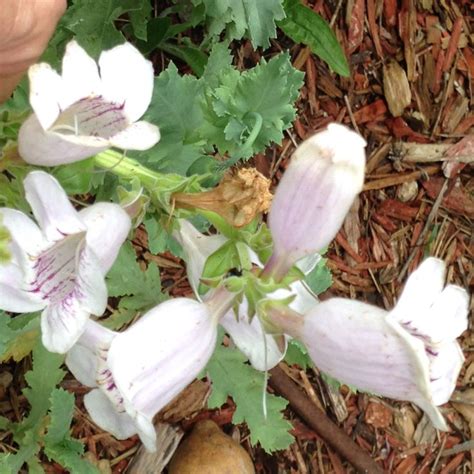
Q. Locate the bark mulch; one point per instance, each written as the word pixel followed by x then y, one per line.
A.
pixel 410 95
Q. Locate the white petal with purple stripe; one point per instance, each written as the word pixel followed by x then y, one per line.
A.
pixel 80 113
pixel 55 267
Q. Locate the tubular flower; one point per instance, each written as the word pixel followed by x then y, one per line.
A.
pixel 262 349
pixel 409 353
pixel 81 113
pixel 137 372
pixel 59 267
pixel 314 195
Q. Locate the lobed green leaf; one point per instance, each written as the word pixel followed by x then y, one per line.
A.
pixel 231 376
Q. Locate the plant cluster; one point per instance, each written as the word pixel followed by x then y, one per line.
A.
pixel 256 282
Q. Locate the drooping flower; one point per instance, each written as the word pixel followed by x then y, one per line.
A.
pixel 81 113
pixel 59 267
pixel 409 353
pixel 139 371
pixel 262 349
pixel 314 195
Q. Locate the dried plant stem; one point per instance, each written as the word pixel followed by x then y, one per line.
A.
pixel 321 424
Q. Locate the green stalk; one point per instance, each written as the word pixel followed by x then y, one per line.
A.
pixel 120 165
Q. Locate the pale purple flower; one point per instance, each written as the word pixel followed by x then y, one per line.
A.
pixel 59 267
pixel 314 195
pixel 81 113
pixel 408 353
pixel 137 372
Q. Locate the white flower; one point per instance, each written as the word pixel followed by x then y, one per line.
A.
pixel 314 195
pixel 59 267
pixel 79 114
pixel 409 353
pixel 263 350
pixel 142 369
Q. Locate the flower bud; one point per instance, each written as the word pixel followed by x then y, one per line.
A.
pixel 314 195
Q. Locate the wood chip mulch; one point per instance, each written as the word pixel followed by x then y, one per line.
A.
pixel 410 95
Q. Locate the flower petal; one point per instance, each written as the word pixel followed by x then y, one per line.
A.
pixel 146 431
pixel 51 207
pixel 308 264
pixel 12 297
pixel 65 318
pixel 426 310
pixel 197 248
pixel 448 315
pixel 23 230
pixel 82 359
pixel 444 371
pixel 103 413
pixel 107 228
pixel 261 349
pixel 158 356
pixel 46 93
pixel 80 74
pixel 91 289
pixel 304 300
pixel 82 363
pixel 137 136
pixel 62 324
pixel 127 78
pixel 421 289
pixel 38 147
pixel 352 342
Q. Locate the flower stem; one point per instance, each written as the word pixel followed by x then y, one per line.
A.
pixel 255 130
pixel 276 267
pixel 288 321
pixel 220 301
pixel 120 165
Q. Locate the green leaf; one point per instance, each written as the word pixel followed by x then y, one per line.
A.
pixel 191 55
pixel 140 18
pixel 18 335
pixel 231 375
pixel 34 466
pixel 298 354
pixel 252 109
pixel 303 25
pixel 243 18
pixel 220 59
pixel 159 237
pixel 76 178
pixel 12 463
pixel 139 289
pixel 58 444
pixel 62 409
pixel 68 454
pixel 93 22
pixel 42 380
pixel 320 278
pixel 221 261
pixel 176 110
pixel 119 318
